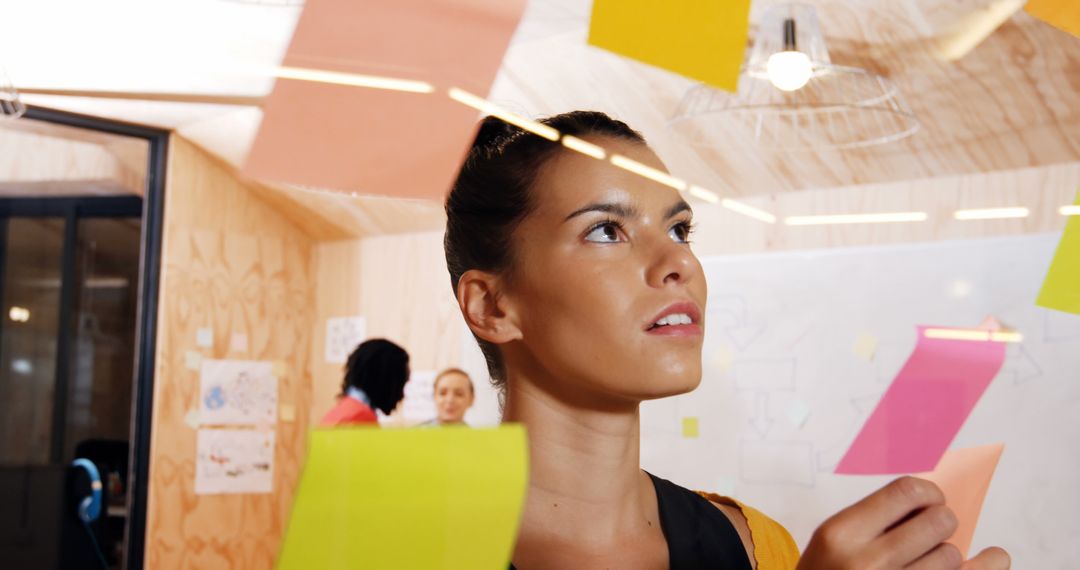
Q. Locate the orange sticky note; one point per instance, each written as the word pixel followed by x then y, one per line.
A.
pixel 964 476
pixel 361 102
pixel 701 39
pixel 1062 14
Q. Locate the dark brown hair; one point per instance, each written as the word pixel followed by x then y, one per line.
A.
pixel 491 196
pixel 380 368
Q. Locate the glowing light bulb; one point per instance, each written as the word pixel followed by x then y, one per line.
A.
pixel 19 314
pixel 789 70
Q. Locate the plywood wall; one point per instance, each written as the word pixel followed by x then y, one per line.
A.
pixel 338 294
pixel 401 286
pixel 235 265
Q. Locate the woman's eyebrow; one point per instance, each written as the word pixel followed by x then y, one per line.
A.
pixel 621 210
pixel 678 208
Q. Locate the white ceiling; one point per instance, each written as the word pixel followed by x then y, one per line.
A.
pixel 1010 104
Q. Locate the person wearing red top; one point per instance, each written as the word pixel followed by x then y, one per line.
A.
pixel 375 378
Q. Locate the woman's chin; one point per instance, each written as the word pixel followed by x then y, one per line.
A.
pixel 671 385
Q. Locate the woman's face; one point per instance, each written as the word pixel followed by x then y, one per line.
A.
pixel 453 397
pixel 607 294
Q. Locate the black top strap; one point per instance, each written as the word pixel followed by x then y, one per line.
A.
pixel 698 534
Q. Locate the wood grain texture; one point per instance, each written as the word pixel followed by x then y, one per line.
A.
pixel 338 294
pixel 407 297
pixel 1012 102
pixel 236 265
pixel 33 152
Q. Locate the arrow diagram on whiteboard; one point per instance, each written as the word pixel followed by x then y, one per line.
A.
pixel 760 420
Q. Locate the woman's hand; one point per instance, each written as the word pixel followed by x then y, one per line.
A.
pixel 902 525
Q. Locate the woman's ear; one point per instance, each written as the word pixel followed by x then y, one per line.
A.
pixel 485 307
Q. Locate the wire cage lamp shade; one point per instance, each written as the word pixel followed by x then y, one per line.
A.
pixel 11 107
pixel 792 97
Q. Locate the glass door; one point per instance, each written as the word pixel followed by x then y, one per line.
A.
pixel 69 282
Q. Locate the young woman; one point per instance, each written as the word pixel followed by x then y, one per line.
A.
pixel 375 378
pixel 578 281
pixel 454 395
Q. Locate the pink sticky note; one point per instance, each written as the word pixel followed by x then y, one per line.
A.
pixel 925 406
pixel 336 135
pixel 964 476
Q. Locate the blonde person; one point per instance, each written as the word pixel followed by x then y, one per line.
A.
pixel 578 280
pixel 454 395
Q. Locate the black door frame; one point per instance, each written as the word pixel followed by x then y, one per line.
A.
pixel 153 210
pixel 71 210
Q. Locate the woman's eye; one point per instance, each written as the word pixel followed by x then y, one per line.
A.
pixel 604 233
pixel 680 232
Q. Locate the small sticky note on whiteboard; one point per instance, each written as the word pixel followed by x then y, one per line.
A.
pixel 193 360
pixel 722 359
pixel 797 413
pixel 204 337
pixel 690 427
pixel 866 346
pixel 278 369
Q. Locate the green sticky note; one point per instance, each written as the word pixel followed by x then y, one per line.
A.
pixel 701 39
pixel 1061 289
pixel 426 498
pixel 690 427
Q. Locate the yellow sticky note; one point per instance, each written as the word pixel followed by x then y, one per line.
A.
pixel 701 39
pixel 866 346
pixel 1061 289
pixel 287 413
pixel 278 368
pixel 690 427
pixel 1062 14
pixel 722 359
pixel 433 498
pixel 964 477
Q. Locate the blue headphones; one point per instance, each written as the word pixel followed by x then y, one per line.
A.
pixel 90 507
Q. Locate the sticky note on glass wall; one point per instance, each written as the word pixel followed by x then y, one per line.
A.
pixel 361 101
pixel 1062 14
pixel 701 39
pixel 1061 288
pixel 435 498
pixel 964 477
pixel 925 406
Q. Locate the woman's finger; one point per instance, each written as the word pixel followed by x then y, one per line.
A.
pixel 944 557
pixel 872 516
pixel 916 537
pixel 992 558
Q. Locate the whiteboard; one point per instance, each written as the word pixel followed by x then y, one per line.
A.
pixel 784 392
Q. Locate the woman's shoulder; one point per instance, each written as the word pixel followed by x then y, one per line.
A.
pixel 767 542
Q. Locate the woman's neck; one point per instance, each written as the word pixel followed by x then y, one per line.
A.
pixel 585 479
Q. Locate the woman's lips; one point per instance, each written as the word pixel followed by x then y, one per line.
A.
pixel 676 330
pixel 678 319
